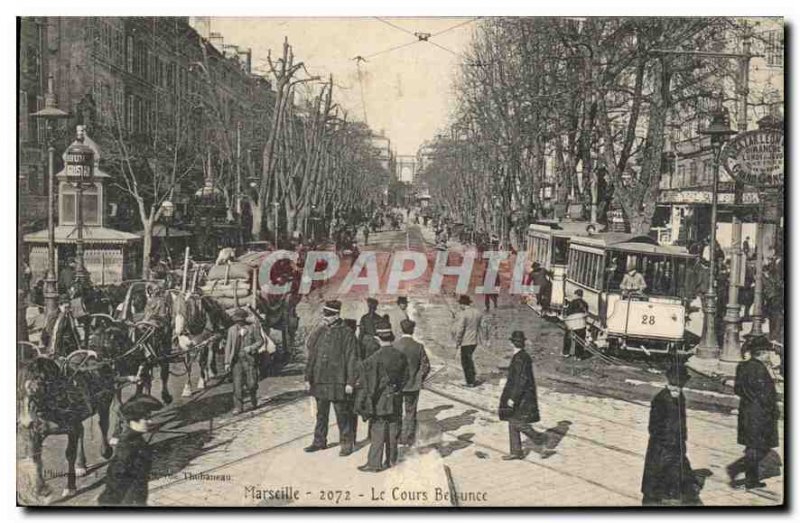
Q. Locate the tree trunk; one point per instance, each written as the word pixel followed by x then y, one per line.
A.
pixel 258 214
pixel 147 247
pixel 639 223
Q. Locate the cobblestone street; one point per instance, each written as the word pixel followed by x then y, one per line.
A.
pixel 589 450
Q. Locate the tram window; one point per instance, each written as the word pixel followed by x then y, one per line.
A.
pixel 559 256
pixel 598 272
pixel 615 271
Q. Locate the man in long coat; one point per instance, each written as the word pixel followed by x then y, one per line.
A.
pixel 330 377
pixel 758 410
pixel 366 326
pixel 418 368
pixel 518 402
pixel 129 469
pixel 241 359
pixel 383 377
pixel 667 472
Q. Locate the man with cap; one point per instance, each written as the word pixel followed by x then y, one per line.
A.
pixel 668 476
pixel 330 377
pixel 518 402
pixel 383 376
pixel 418 368
pixel 129 469
pixel 241 359
pixel 466 331
pixel 758 410
pixel 575 337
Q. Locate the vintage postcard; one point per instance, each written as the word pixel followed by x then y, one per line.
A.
pixel 400 262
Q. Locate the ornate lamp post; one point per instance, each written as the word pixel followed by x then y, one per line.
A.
pixel 50 114
pixel 80 172
pixel 718 130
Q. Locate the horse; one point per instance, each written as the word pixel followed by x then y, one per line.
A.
pixel 200 326
pixel 56 399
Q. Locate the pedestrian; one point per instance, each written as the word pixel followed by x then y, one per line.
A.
pixel 66 277
pixel 129 469
pixel 384 375
pixel 365 230
pixel 746 248
pixel 490 296
pixel 241 359
pixel 466 332
pixel 758 411
pixel 402 304
pixel 668 476
pixel 575 322
pixel 519 405
pixel 330 377
pixel 418 368
pixel 366 325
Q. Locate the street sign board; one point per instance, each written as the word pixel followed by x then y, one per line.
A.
pixel 755 158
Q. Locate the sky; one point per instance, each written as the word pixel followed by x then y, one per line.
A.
pixel 407 92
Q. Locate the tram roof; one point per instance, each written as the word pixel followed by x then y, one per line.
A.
pixel 616 241
pixel 556 228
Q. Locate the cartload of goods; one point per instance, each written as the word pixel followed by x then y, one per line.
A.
pixel 232 284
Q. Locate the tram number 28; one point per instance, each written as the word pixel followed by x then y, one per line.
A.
pixel 648 319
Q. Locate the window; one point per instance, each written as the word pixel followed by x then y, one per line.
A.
pixel 559 255
pixel 693 173
pixel 129 54
pixel 682 176
pixel 774 48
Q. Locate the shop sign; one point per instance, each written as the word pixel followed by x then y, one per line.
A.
pixel 755 158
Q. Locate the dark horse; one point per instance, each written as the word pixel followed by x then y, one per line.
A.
pixel 55 399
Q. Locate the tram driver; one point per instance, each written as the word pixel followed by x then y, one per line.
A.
pixel 633 282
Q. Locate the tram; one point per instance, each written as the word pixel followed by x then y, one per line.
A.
pixel 654 321
pixel 548 245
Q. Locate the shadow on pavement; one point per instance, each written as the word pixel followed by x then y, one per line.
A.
pixel 544 443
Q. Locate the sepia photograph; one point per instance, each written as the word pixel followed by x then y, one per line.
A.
pixel 408 262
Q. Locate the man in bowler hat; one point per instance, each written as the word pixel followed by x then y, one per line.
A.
pixel 758 410
pixel 418 368
pixel 383 376
pixel 129 469
pixel 518 402
pixel 330 377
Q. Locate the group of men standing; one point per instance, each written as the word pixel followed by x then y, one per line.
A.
pixel 369 374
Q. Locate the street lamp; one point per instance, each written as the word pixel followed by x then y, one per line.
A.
pixel 718 130
pixel 167 213
pixel 80 172
pixel 50 114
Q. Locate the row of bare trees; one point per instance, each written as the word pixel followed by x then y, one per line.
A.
pixel 582 106
pixel 311 156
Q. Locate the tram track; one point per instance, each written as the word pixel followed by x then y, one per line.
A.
pixel 585 439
